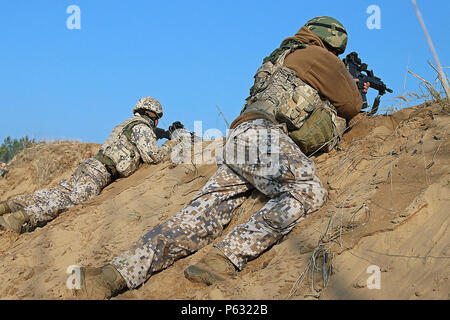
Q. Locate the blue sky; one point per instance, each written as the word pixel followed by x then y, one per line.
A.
pixel 57 83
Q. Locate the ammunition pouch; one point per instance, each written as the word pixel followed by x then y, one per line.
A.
pixel 322 130
pixel 108 163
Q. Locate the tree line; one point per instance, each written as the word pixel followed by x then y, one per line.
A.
pixel 11 147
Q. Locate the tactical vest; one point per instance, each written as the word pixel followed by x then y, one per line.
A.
pixel 281 97
pixel 119 151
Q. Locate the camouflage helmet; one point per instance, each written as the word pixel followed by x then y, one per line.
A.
pixel 149 104
pixel 330 31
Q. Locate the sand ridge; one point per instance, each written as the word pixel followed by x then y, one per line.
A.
pixel 388 207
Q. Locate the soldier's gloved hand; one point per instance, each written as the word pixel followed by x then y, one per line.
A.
pixel 176 125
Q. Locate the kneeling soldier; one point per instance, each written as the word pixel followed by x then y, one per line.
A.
pixel 302 84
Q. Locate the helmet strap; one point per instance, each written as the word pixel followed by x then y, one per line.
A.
pixel 333 27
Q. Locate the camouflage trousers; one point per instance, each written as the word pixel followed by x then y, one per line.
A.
pixel 44 205
pixel 281 172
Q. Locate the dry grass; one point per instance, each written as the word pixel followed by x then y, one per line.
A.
pixel 440 71
pixel 48 161
pixel 428 91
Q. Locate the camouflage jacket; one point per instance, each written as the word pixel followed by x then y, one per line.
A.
pixel 278 95
pixel 131 143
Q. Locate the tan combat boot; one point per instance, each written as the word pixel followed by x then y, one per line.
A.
pixel 214 267
pixel 100 283
pixel 14 221
pixel 9 206
pixel 4 208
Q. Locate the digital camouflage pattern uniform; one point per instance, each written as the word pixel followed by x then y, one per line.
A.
pixel 258 154
pixel 44 205
pixel 135 135
pixel 292 185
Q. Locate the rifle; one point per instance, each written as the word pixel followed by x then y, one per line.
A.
pixel 356 69
pixel 167 134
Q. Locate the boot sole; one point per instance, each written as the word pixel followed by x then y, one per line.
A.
pixel 3 210
pixel 195 274
pixel 6 226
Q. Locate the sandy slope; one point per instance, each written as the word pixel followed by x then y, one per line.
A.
pixel 388 206
pixel 43 165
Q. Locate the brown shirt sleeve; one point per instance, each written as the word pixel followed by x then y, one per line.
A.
pixel 326 73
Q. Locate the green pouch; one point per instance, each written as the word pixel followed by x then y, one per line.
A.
pixel 104 159
pixel 289 44
pixel 317 130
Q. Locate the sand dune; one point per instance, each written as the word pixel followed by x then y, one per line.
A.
pixel 388 207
